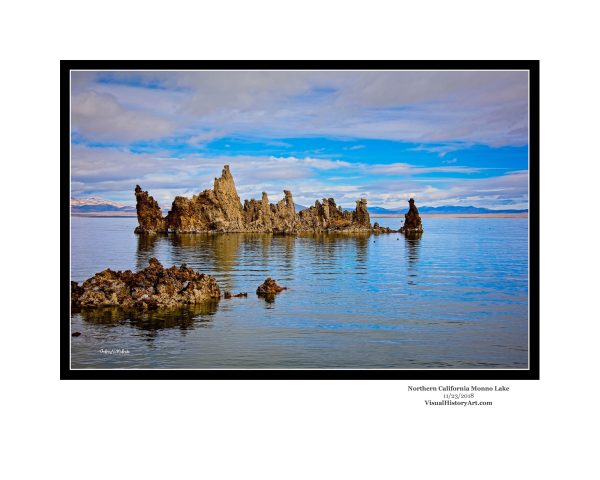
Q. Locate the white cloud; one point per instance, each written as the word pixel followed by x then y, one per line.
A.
pixel 203 138
pixel 509 190
pixel 408 169
pixel 99 116
pixel 479 107
pixel 113 173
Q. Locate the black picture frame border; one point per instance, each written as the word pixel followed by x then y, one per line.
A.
pixel 532 373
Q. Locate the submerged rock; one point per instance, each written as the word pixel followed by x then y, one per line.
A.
pixel 152 287
pixel 229 295
pixel 412 220
pixel 269 287
pixel 377 229
pixel 220 210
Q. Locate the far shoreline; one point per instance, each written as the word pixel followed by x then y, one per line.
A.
pixel 379 215
pixel 455 215
pixel 104 215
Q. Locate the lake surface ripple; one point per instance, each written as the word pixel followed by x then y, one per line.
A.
pixel 455 298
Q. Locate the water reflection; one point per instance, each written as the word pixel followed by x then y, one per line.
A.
pixel 468 299
pixel 268 299
pixel 412 242
pixel 330 251
pixel 146 249
pixel 223 253
pixel 288 244
pixel 184 318
pixel 215 252
pixel 362 246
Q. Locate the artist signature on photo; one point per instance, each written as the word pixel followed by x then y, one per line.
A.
pixel 114 351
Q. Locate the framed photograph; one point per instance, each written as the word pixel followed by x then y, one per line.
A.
pixel 300 219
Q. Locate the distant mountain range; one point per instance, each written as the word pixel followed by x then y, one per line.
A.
pixel 96 205
pixel 449 209
pixel 99 206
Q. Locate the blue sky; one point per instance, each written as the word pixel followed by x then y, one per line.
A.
pixel 444 138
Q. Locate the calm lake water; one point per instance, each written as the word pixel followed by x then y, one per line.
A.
pixel 456 298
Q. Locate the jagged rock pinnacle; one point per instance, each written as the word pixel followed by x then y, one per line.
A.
pixel 412 220
pixel 220 210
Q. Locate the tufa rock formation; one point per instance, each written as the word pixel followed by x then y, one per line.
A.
pixel 412 220
pixel 377 229
pixel 269 287
pixel 220 210
pixel 227 294
pixel 152 287
pixel 149 216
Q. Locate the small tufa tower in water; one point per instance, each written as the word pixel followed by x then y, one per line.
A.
pixel 412 220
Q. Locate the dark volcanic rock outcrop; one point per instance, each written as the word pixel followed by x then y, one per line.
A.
pixel 269 287
pixel 220 210
pixel 412 220
pixel 152 287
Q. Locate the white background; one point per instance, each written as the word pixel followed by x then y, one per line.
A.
pixel 326 429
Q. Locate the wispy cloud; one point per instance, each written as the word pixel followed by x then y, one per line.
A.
pixel 113 172
pixel 172 132
pixel 407 169
pixel 99 116
pixel 508 189
pixel 482 107
pixel 441 150
pixel 203 138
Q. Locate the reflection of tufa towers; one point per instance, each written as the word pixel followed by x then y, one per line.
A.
pixel 221 255
pixel 412 242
